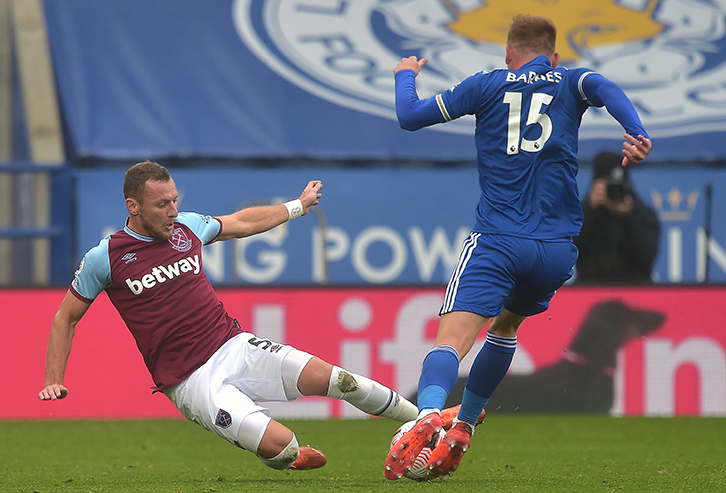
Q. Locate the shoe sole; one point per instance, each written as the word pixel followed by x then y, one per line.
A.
pixel 401 458
pixel 446 457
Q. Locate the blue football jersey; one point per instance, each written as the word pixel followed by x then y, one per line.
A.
pixel 527 126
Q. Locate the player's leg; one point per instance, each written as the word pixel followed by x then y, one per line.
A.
pixel 541 267
pixel 538 269
pixel 279 449
pixel 317 377
pixel 266 371
pixel 273 443
pixel 256 369
pixel 463 315
pixel 462 318
pixel 489 368
pixel 456 335
pixel 490 365
pixel 439 373
pixel 484 286
pixel 321 378
pixel 207 398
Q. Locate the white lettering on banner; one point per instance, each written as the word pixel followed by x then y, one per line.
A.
pixel 426 255
pixel 618 406
pixel 272 262
pixel 715 252
pixel 675 254
pixel 409 345
pixel 438 248
pixel 268 322
pixel 662 361
pixel 213 258
pixel 379 275
pixel 336 245
pixel 405 344
pixel 355 356
pixel 355 315
pixel 160 274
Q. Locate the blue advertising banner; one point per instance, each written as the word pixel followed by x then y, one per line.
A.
pixel 312 78
pixel 391 227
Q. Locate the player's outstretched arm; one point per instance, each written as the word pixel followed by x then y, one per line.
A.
pixel 258 219
pixel 603 92
pixel 413 113
pixel 59 346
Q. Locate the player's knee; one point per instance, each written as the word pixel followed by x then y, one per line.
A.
pixel 505 325
pixel 304 374
pixel 286 458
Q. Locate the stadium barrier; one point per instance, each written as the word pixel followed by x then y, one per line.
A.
pixel 661 350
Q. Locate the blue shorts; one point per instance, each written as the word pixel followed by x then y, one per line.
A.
pixel 519 274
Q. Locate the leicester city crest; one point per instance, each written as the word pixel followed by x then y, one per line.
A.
pixel 668 55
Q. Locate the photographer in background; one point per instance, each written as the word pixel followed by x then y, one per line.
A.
pixel 619 239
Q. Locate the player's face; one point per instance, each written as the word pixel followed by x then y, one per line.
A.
pixel 158 209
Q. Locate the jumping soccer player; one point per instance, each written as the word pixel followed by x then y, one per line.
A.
pixel 520 249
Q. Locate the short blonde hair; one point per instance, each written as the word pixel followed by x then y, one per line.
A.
pixel 534 34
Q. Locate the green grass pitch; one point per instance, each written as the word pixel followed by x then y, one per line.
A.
pixel 520 453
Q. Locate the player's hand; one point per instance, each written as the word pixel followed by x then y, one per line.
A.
pixel 598 193
pixel 412 63
pixel 635 150
pixel 311 195
pixel 53 392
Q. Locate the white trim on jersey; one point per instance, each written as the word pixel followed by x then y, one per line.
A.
pixel 579 86
pixel 464 256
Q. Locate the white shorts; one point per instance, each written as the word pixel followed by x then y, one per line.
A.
pixel 221 394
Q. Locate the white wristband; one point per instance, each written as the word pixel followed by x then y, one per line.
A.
pixel 294 209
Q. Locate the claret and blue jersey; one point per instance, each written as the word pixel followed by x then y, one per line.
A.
pixel 150 282
pixel 527 125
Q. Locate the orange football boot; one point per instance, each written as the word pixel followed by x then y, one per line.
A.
pixel 309 458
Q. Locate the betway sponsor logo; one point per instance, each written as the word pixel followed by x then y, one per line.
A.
pixel 161 273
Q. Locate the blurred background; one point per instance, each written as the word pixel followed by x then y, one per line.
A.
pixel 245 101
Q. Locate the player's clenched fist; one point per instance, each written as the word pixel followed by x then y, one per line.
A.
pixel 412 63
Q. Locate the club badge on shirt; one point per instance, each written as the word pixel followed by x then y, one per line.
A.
pixel 179 241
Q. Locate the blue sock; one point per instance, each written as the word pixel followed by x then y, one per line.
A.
pixel 487 372
pixel 439 374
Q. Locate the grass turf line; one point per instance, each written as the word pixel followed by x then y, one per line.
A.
pixel 526 453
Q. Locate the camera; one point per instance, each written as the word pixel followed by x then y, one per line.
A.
pixel 617 187
pixel 616 192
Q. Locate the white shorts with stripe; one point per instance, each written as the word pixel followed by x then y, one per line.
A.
pixel 222 394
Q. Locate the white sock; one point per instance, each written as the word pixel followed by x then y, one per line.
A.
pixel 426 412
pixel 369 396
